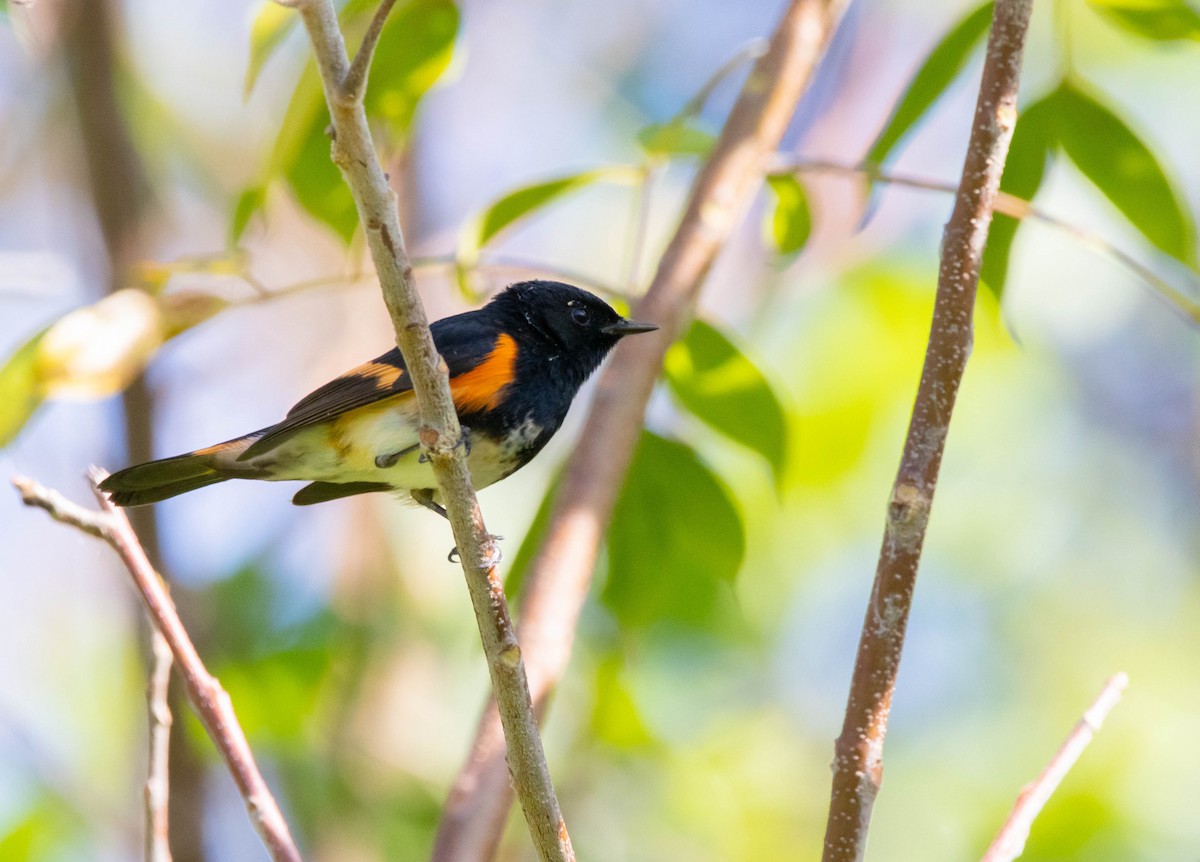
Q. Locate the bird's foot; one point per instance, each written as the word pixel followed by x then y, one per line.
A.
pixel 389 459
pixel 492 554
pixel 464 441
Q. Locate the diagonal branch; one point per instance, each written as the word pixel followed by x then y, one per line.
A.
pixel 559 577
pixel 210 701
pixel 858 758
pixel 1010 841
pixel 354 86
pixel 354 154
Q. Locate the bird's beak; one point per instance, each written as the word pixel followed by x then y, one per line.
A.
pixel 627 327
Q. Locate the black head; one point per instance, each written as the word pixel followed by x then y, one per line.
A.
pixel 570 322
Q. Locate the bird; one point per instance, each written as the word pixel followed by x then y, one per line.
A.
pixel 515 367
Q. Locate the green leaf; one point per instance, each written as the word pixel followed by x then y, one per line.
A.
pixel 20 389
pixel 715 380
pixel 317 183
pixel 249 202
pixel 676 540
pixel 487 224
pixel 789 224
pixel 1122 166
pixel 1160 20
pixel 1023 173
pixel 514 581
pixel 415 48
pixel 616 719
pixel 676 138
pixel 271 25
pixel 941 67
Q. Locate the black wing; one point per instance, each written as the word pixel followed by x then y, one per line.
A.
pixel 463 340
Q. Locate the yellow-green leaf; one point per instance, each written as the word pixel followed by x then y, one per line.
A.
pixel 20 392
pixel 788 224
pixel 1160 20
pixel 676 138
pixel 271 25
pixel 516 205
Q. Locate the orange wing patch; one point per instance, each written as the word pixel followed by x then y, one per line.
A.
pixel 482 388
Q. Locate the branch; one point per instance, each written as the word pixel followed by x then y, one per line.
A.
pixel 210 701
pixel 558 579
pixel 1010 842
pixel 158 782
pixel 354 86
pixel 1013 207
pixel 858 758
pixel 354 153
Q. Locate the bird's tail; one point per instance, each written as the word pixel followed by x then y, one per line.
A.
pixel 159 480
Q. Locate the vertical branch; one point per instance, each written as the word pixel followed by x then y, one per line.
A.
pixel 210 701
pixel 560 575
pixel 123 202
pixel 858 759
pixel 158 782
pixel 354 153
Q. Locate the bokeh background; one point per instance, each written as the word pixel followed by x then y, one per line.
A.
pixel 1063 545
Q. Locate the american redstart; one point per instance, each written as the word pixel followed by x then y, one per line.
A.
pixel 515 367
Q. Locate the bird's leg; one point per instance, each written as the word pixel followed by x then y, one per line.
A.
pixel 389 459
pixel 424 496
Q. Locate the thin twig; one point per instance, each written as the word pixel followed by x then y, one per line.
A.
pixel 1010 841
pixel 354 154
pixel 158 780
pixel 558 579
pixel 210 701
pixel 1013 207
pixel 858 757
pixel 355 84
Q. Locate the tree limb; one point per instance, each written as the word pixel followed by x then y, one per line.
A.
pixel 354 154
pixel 1010 841
pixel 158 780
pixel 560 575
pixel 210 701
pixel 858 758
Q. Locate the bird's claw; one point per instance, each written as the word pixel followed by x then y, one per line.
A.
pixel 492 553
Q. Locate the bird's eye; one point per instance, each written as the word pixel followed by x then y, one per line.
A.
pixel 580 315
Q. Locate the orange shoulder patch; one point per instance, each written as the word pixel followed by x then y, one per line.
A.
pixel 482 388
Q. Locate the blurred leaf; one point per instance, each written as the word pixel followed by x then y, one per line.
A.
pixel 1120 164
pixel 41 833
pixel 414 50
pixel 317 183
pixel 676 138
pixel 716 381
pixel 512 207
pixel 249 202
pixel 1023 173
pixel 271 25
pixel 615 716
pixel 99 349
pixel 514 581
pixel 20 392
pixel 941 67
pixel 277 695
pixel 789 224
pixel 1161 20
pixel 675 542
